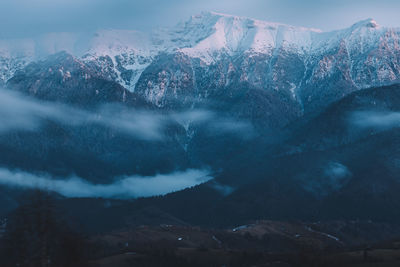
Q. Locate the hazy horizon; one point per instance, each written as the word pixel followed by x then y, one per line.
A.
pixel 25 18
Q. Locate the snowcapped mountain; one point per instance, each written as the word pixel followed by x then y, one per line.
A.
pixel 213 51
pixel 308 67
pixel 227 90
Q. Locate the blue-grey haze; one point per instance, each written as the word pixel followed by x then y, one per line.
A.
pixel 21 18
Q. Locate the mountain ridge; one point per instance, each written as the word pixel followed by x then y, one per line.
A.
pixel 310 67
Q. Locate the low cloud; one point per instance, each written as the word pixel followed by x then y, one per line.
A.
pixel 376 119
pixel 123 188
pixel 18 112
pixel 336 175
pixel 336 171
pixel 229 125
pixel 215 123
pixel 330 177
pixel 224 190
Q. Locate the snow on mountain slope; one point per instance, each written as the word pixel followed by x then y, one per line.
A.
pixel 116 51
pixel 123 54
pixel 14 55
pixel 210 32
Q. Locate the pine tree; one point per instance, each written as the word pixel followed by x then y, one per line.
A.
pixel 35 236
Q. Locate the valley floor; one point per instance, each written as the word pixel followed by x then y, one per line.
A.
pixel 264 243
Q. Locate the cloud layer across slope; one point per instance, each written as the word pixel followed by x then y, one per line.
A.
pixel 18 112
pixel 122 188
pixel 380 120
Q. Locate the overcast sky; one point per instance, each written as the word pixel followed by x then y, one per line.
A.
pixel 31 17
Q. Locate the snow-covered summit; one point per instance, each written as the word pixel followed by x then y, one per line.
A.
pixel 368 23
pixel 209 32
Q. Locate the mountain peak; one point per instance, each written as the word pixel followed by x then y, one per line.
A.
pixel 212 17
pixel 367 23
pixel 213 14
pixel 218 14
